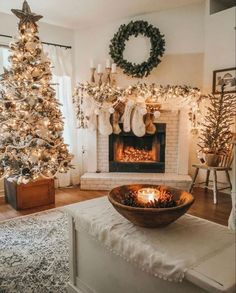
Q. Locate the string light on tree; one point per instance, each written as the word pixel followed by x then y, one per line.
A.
pixel 31 125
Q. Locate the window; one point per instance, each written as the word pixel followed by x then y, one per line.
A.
pixel 4 54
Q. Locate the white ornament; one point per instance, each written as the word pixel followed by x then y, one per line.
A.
pixel 111 110
pixel 97 111
pixel 157 114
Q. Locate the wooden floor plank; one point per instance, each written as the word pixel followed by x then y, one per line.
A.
pixel 203 206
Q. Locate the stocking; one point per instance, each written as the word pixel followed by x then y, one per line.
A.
pixel 90 112
pixel 150 126
pixel 115 122
pixel 127 115
pixel 138 125
pixel 104 125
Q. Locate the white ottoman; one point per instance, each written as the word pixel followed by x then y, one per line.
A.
pixel 110 255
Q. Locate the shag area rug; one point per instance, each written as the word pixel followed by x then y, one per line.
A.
pixel 34 253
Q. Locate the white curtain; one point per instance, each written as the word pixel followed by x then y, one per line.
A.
pixel 4 54
pixel 61 59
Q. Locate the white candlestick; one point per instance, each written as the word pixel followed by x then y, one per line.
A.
pixel 108 63
pixel 113 68
pixel 99 68
pixel 92 63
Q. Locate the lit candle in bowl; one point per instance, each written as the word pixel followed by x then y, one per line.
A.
pixel 146 195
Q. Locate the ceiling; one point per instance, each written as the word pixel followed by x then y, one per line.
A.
pixel 76 14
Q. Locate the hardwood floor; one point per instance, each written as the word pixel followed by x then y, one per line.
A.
pixel 64 196
pixel 203 206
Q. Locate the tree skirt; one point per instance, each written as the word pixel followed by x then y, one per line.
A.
pixel 34 253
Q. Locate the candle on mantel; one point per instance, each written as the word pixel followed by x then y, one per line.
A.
pixel 146 195
pixel 108 63
pixel 113 68
pixel 92 63
pixel 99 68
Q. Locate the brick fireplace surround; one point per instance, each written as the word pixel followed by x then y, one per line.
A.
pixel 176 158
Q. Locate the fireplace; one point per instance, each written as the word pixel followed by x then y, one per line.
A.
pixel 129 153
pixel 173 136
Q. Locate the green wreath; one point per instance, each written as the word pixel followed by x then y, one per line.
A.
pixel 135 28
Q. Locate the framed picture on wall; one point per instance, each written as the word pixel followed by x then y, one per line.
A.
pixel 224 76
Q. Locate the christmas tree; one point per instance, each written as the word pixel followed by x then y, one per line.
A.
pixel 216 134
pixel 31 123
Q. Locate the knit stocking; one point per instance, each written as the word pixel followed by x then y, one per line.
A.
pixel 127 115
pixel 104 125
pixel 138 125
pixel 150 126
pixel 115 122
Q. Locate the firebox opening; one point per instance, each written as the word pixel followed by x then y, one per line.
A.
pixel 129 153
pixel 134 149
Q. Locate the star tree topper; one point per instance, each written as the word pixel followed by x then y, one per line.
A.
pixel 25 15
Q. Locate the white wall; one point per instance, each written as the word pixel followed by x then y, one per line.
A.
pixel 219 43
pixel 184 34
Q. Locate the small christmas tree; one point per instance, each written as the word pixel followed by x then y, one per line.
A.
pixel 216 134
pixel 31 126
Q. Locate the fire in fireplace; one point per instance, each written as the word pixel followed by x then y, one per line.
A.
pixel 129 153
pixel 132 154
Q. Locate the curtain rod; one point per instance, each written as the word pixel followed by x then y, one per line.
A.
pixel 46 43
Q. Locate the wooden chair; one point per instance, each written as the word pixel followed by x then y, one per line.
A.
pixel 225 166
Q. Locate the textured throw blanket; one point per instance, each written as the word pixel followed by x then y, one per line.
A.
pixel 166 253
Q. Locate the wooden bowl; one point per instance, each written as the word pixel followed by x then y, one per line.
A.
pixel 150 217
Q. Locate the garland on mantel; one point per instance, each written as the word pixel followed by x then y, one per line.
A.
pixel 137 106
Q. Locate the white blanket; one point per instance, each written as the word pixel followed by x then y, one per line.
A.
pixel 163 252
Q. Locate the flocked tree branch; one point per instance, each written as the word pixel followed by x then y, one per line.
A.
pixel 216 134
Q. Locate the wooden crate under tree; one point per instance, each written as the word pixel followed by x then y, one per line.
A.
pixel 33 194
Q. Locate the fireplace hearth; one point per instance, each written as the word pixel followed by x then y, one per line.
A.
pixel 129 153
